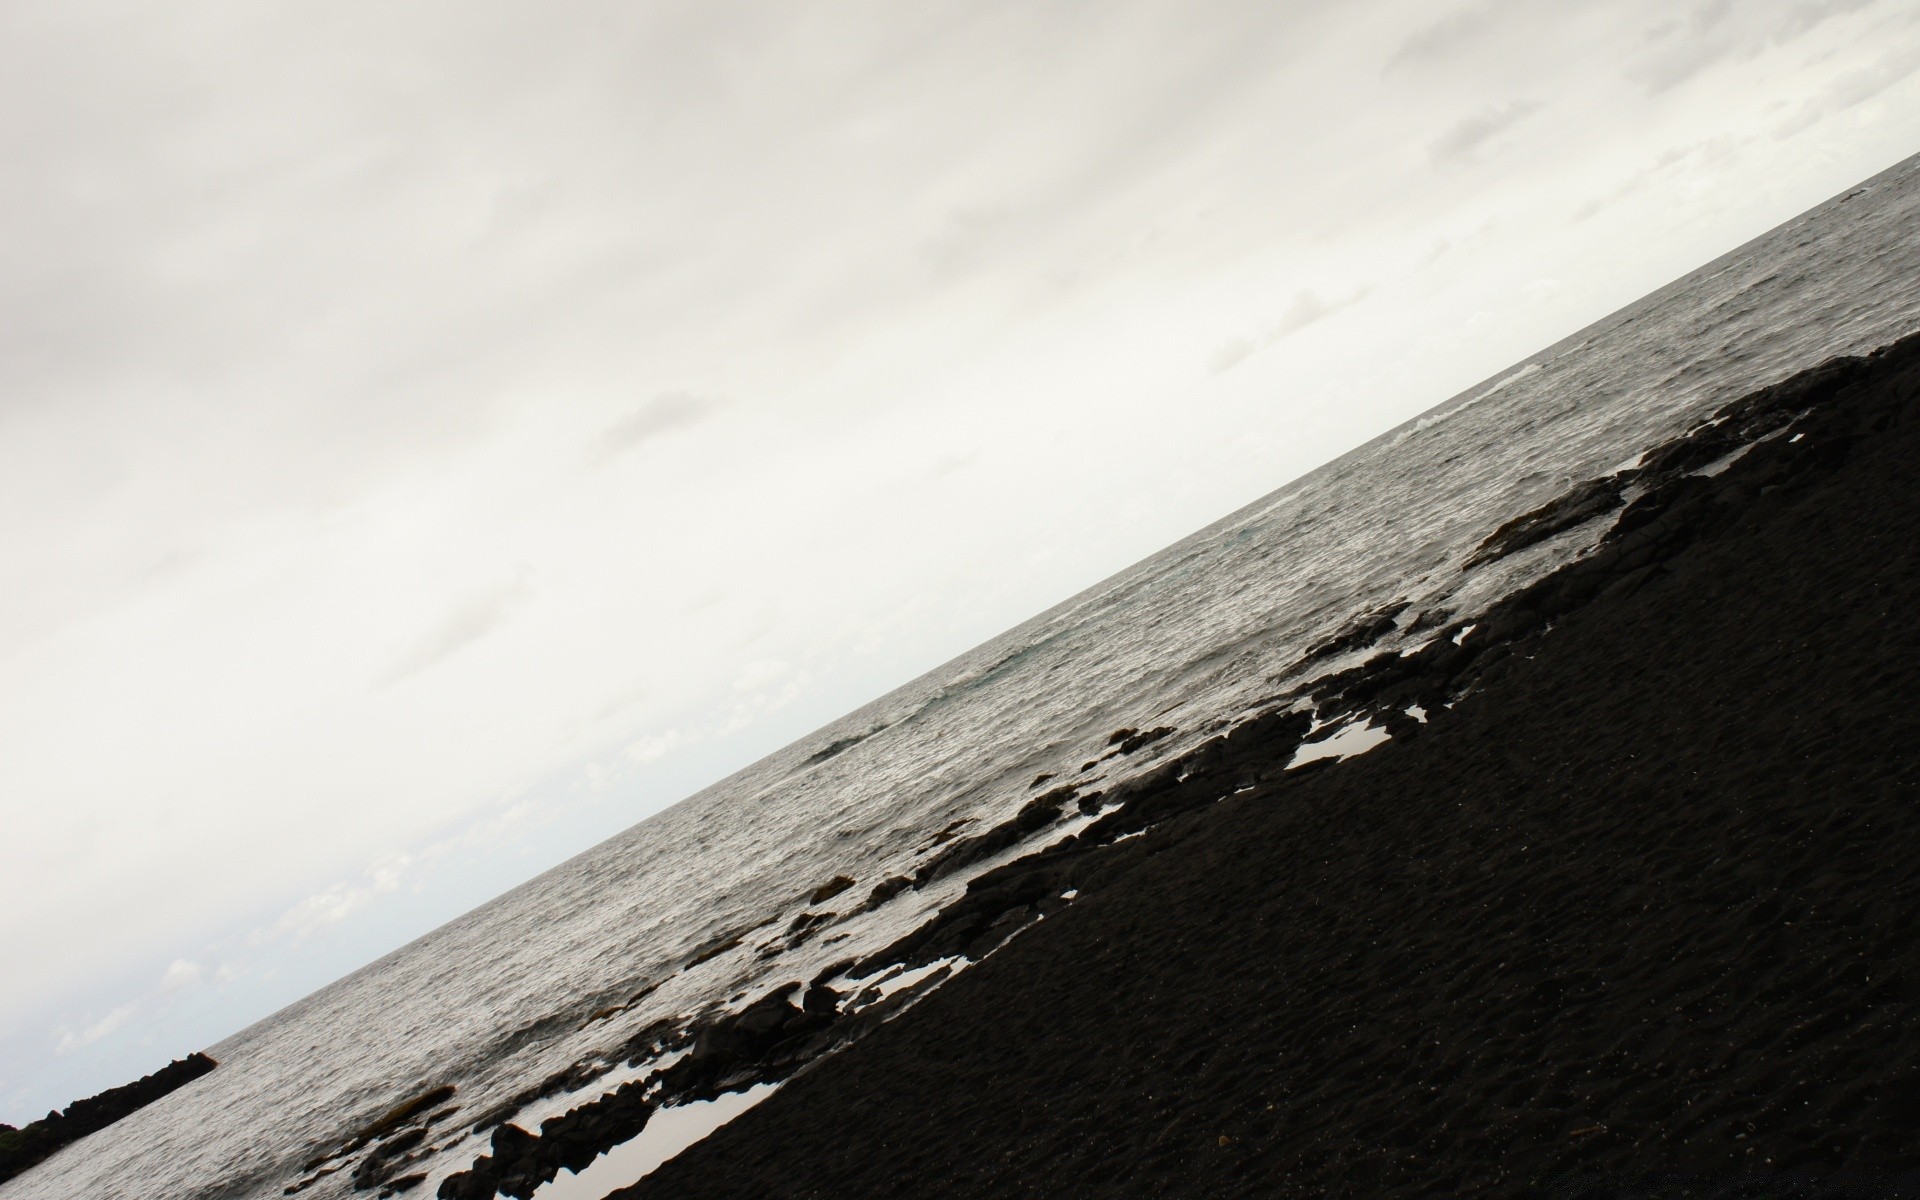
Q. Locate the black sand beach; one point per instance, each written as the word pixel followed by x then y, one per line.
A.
pixel 1642 901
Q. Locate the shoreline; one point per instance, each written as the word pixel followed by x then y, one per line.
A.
pixel 1673 501
pixel 1634 898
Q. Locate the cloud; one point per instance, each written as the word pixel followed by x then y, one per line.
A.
pixel 759 687
pixel 1851 89
pixel 1306 308
pixel 1719 30
pixel 662 414
pixel 183 972
pixel 1471 133
pixel 1444 38
pixel 467 623
pixel 71 1040
pixel 756 675
pixel 654 746
pixel 1231 354
pixel 965 243
pixel 1696 157
pixel 342 900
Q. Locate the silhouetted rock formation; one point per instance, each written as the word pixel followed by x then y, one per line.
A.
pixel 21 1148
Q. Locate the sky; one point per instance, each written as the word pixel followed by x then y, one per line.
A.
pixel 435 436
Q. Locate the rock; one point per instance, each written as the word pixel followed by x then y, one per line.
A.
pixel 998 931
pixel 1578 506
pixel 807 921
pixel 386 1158
pixel 1361 632
pixel 948 833
pixel 403 1112
pixel 886 890
pixel 22 1148
pixel 510 1142
pixel 655 1038
pixel 715 948
pixel 1034 815
pixel 836 747
pixel 831 888
pixel 478 1183
pixel 1433 618
pixel 820 1000
pixel 832 971
pixel 1135 739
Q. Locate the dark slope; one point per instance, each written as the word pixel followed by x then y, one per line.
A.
pixel 1645 900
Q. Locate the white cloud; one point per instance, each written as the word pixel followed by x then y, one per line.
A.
pixel 759 688
pixel 70 1040
pixel 652 747
pixel 756 675
pixel 1675 162
pixel 1306 308
pixel 180 973
pixel 1852 89
pixel 1445 38
pixel 663 414
pixel 467 622
pixel 1467 136
pixel 1720 31
pixel 334 905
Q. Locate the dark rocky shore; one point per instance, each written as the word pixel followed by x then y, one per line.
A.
pixel 1622 908
pixel 1634 916
pixel 22 1148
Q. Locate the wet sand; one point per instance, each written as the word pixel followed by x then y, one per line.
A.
pixel 1643 900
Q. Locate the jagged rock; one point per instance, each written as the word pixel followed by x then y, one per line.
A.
pixel 1034 815
pixel 1126 741
pixel 998 931
pixel 386 1158
pixel 836 747
pixel 831 888
pixel 401 1113
pixel 1360 633
pixel 715 948
pixel 820 1000
pixel 1576 507
pixel 22 1148
pixel 658 1037
pixel 886 890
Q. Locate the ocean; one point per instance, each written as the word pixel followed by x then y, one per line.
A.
pixel 1191 638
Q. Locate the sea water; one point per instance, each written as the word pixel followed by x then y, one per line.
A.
pixel 1190 638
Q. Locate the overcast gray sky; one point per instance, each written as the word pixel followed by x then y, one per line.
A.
pixel 434 436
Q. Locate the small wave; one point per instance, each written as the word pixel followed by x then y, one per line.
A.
pixel 1422 424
